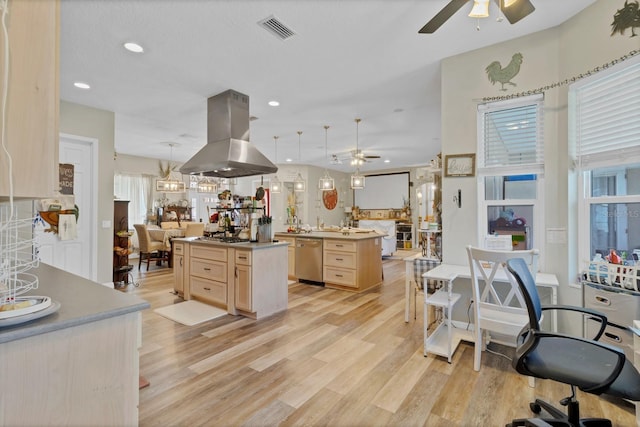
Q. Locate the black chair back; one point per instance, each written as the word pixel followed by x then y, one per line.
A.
pixel 518 268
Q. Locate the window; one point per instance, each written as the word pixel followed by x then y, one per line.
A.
pixel 510 171
pixel 136 189
pixel 605 132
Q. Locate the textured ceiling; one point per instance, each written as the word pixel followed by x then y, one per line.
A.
pixel 348 59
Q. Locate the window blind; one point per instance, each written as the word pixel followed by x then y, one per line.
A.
pixel 607 112
pixel 511 133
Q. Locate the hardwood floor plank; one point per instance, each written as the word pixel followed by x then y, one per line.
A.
pixel 218 358
pixel 300 393
pixel 400 385
pixel 282 352
pixel 346 382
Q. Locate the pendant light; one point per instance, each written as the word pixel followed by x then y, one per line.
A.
pixel 326 183
pixel 207 185
pixel 168 185
pixel 298 183
pixel 357 180
pixel 276 185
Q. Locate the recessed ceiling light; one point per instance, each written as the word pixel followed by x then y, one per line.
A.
pixel 82 85
pixel 387 161
pixel 133 47
pixel 274 103
pixel 289 160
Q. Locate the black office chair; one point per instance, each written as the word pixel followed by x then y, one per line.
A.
pixel 592 366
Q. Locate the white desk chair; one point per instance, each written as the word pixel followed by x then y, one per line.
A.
pixel 499 305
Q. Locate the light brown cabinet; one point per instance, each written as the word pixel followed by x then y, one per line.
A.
pixel 243 283
pixel 32 116
pixel 178 268
pixel 249 280
pixel 353 265
pixel 291 255
pixel 208 274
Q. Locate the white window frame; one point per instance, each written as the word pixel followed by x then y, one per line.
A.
pixel 585 166
pixel 532 169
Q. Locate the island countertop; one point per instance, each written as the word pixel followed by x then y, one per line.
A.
pixel 238 245
pixel 332 235
pixel 81 301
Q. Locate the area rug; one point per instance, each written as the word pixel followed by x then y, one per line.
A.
pixel 190 312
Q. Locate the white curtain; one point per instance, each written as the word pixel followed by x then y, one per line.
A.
pixel 137 189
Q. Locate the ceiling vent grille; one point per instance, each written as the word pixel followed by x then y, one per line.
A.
pixel 277 28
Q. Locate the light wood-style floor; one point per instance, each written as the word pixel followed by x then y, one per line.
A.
pixel 335 358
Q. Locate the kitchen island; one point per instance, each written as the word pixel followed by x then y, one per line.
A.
pixel 248 279
pixel 77 366
pixel 351 261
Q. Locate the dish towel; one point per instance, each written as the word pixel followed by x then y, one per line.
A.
pixel 67 229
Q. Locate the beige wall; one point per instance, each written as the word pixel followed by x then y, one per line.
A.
pixel 553 55
pixel 89 122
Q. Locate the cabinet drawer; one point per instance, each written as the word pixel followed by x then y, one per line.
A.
pixel 213 270
pixel 178 248
pixel 340 259
pixel 209 252
pixel 243 257
pixel 290 240
pixel 340 276
pixel 340 245
pixel 209 289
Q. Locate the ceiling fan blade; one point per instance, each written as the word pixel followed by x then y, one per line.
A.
pixel 441 17
pixel 372 156
pixel 516 10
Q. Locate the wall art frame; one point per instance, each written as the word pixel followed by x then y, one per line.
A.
pixel 460 165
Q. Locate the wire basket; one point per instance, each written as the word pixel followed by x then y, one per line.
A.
pixel 18 255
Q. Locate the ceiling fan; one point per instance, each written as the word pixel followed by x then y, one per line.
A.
pixel 513 10
pixel 353 157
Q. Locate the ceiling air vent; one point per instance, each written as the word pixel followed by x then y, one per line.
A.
pixel 277 28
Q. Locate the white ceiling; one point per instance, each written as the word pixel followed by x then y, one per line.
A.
pixel 348 59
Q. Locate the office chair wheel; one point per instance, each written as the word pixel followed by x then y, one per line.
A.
pixel 535 408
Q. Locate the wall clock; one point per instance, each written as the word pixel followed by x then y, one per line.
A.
pixel 330 198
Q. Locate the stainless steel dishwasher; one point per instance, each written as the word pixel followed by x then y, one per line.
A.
pixel 309 259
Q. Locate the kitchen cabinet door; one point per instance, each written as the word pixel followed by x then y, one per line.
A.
pixel 243 292
pixel 178 268
pixel 33 100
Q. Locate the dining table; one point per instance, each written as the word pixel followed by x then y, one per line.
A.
pixel 166 236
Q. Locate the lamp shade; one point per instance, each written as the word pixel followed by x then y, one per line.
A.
pixel 480 9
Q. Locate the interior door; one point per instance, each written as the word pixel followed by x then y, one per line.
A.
pixel 75 256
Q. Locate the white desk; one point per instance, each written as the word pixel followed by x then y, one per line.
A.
pixel 444 341
pixel 450 272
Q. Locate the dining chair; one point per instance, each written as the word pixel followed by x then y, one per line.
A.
pixel 498 303
pixel 149 249
pixel 194 229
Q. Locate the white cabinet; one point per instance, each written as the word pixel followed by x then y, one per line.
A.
pixel 33 99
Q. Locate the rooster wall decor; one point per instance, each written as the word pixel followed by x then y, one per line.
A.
pixel 496 73
pixel 627 17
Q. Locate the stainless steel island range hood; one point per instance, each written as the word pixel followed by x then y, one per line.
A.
pixel 228 152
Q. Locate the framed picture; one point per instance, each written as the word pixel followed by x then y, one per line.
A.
pixel 460 165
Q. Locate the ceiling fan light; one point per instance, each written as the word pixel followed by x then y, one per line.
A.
pixel 480 9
